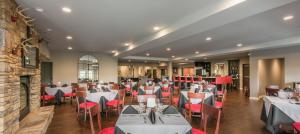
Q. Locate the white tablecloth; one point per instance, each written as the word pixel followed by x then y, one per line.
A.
pixel 291 110
pixel 53 91
pixel 95 97
pixel 196 101
pixel 156 88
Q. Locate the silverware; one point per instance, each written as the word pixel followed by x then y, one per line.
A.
pixel 161 120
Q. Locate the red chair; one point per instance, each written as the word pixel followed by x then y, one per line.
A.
pixel 186 80
pixel 194 109
pixel 44 97
pixel 83 105
pixel 192 79
pixel 116 104
pixel 71 95
pixel 166 94
pixel 220 104
pixel 199 78
pixel 174 79
pixel 220 81
pixel 296 126
pixel 208 112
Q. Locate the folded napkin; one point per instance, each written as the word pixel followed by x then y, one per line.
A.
pixel 130 110
pixel 152 116
pixel 170 110
pixel 105 89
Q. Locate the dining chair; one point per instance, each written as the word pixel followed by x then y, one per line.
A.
pixel 83 105
pixel 44 97
pixel 192 109
pixel 272 90
pixel 133 93
pixel 296 126
pixel 208 112
pixel 149 89
pixel 166 94
pixel 220 104
pixel 70 95
pixel 116 104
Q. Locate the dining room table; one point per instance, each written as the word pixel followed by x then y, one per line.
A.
pixel 135 122
pixel 58 92
pixel 102 97
pixel 277 110
pixel 183 99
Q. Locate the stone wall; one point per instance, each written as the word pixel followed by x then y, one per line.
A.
pixel 11 69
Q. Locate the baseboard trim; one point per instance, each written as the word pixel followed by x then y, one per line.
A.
pixel 253 98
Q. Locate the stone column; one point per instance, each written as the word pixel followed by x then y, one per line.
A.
pixel 170 70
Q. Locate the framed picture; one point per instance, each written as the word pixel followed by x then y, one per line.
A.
pixel 30 57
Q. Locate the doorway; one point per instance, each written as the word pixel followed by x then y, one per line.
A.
pixel 246 79
pixel 46 72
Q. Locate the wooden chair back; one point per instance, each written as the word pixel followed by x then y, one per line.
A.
pixel 270 91
pixel 210 112
pixel 122 94
pixel 191 95
pixel 95 111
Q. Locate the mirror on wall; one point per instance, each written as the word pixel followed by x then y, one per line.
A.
pixel 88 69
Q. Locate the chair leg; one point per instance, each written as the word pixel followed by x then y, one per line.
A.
pixel 91 122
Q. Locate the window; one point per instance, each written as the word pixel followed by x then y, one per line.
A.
pixel 88 69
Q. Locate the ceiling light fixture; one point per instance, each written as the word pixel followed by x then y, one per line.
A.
pixel 289 17
pixel 126 44
pixel 147 54
pixel 168 49
pixel 197 52
pixel 66 10
pixel 156 28
pixel 113 51
pixel 186 59
pixel 69 37
pixel 70 48
pixel 116 54
pixel 239 45
pixel 39 9
pixel 49 29
pixel 208 38
pixel 173 56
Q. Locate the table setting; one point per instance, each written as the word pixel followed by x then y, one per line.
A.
pixel 281 109
pixel 183 99
pixel 102 96
pixel 58 92
pixel 150 119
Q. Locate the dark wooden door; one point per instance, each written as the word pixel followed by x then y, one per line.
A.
pixel 46 72
pixel 246 79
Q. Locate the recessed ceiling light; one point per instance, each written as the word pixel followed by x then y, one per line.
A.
pixel 66 10
pixel 69 37
pixel 126 44
pixel 186 59
pixel 197 52
pixel 168 49
pixel 289 17
pixel 147 54
pixel 70 48
pixel 49 29
pixel 173 56
pixel 39 9
pixel 208 38
pixel 113 51
pixel 249 54
pixel 156 28
pixel 239 45
pixel 116 54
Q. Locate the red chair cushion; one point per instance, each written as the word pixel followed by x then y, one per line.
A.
pixel 69 94
pixel 127 89
pixel 87 105
pixel 135 93
pixel 296 125
pixel 114 103
pixel 47 97
pixel 175 101
pixel 165 94
pixel 220 92
pixel 218 104
pixel 110 130
pixel 196 131
pixel 196 108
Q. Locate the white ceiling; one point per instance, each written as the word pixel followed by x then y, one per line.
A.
pixel 103 26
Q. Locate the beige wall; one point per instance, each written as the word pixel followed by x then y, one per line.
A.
pixel 65 66
pixel 271 72
pixel 291 57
